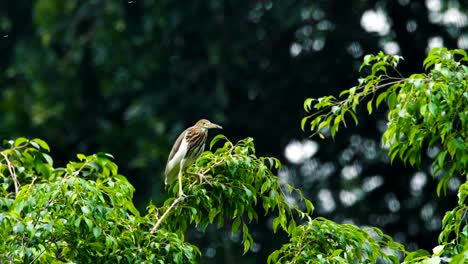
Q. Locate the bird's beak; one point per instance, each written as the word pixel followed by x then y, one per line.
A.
pixel 213 125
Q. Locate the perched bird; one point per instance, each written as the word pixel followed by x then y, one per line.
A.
pixel 186 150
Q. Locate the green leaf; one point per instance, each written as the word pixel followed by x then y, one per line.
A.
pixel 131 207
pixel 265 187
pixel 247 237
pixel 369 107
pixel 109 155
pixel 309 206
pixel 379 67
pixel 416 254
pixel 81 157
pixel 433 109
pixel 77 222
pixel 308 104
pixel 85 210
pixel 367 60
pixel 19 141
pixel 89 223
pixel 97 231
pixel 216 139
pixel 461 52
pixel 438 250
pixel 380 98
pixel 97 246
pixel 42 143
pixel 353 115
pixel 344 92
pixel 246 246
pixel 276 222
pixel 93 165
pixel 212 214
pixel 392 100
pixel 291 226
pixel 441 158
pixel 48 159
pixel 432 260
pixel 18 228
pixel 303 122
pixel 235 225
pixel 273 257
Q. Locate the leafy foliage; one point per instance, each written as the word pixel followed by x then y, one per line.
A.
pixel 425 111
pixel 324 241
pixel 226 186
pixel 454 235
pixel 84 212
pixel 331 112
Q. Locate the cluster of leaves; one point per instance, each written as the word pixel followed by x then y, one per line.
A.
pixel 324 241
pixel 330 112
pixel 453 239
pixel 226 186
pixel 83 212
pixel 425 111
pixel 454 235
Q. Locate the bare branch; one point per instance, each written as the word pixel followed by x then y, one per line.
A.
pixel 12 173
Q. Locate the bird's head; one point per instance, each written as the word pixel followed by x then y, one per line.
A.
pixel 206 124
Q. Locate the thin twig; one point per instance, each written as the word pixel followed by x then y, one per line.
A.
pixel 12 173
pixel 35 258
pixel 377 87
pixel 202 178
pixel 166 213
pixel 32 182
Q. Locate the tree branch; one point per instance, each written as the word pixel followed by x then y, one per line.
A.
pixel 12 173
pixel 166 213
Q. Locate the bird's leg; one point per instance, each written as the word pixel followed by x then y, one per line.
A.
pixel 181 192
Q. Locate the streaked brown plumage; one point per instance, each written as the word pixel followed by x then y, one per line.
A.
pixel 186 150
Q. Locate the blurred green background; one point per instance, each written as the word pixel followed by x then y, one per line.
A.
pixel 125 77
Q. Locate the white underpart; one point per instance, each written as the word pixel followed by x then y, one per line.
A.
pixel 178 156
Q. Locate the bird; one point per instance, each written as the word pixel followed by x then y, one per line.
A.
pixel 186 150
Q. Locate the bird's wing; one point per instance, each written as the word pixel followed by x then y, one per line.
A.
pixel 175 156
pixel 176 146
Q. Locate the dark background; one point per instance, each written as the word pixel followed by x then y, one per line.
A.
pixel 125 77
